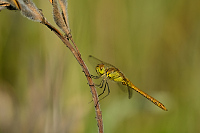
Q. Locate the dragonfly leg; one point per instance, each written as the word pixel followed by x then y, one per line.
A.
pixel 101 84
pixel 106 85
pixel 95 77
pixel 87 75
pixel 91 85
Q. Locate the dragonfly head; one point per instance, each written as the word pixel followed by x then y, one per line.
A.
pixel 100 69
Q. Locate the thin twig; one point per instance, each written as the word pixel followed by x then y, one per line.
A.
pixel 77 55
pixel 74 45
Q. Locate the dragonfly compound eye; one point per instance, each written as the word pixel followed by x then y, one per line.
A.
pixel 100 69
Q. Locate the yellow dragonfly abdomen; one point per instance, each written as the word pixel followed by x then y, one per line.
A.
pixel 156 102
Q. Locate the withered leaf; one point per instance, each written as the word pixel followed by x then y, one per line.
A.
pixel 58 17
pixel 30 11
pixel 10 4
pixel 63 5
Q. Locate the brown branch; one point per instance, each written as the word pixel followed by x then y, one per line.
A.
pixel 77 55
pixel 70 37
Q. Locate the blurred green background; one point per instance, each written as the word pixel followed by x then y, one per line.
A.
pixel 155 43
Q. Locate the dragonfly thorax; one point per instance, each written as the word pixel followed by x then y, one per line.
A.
pixel 114 74
pixel 100 69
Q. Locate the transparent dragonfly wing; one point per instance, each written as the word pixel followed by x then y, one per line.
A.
pixel 94 62
pixel 125 89
pixel 130 92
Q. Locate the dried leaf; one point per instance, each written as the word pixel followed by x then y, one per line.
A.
pixel 16 3
pixel 58 18
pixel 2 3
pixel 10 4
pixel 30 11
pixel 63 5
pixel 2 7
pixel 27 7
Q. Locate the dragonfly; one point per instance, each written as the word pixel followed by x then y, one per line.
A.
pixel 106 72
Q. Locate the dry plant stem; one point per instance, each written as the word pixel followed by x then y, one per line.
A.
pixel 75 45
pixel 77 55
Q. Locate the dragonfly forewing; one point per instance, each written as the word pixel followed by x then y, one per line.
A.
pixel 94 61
